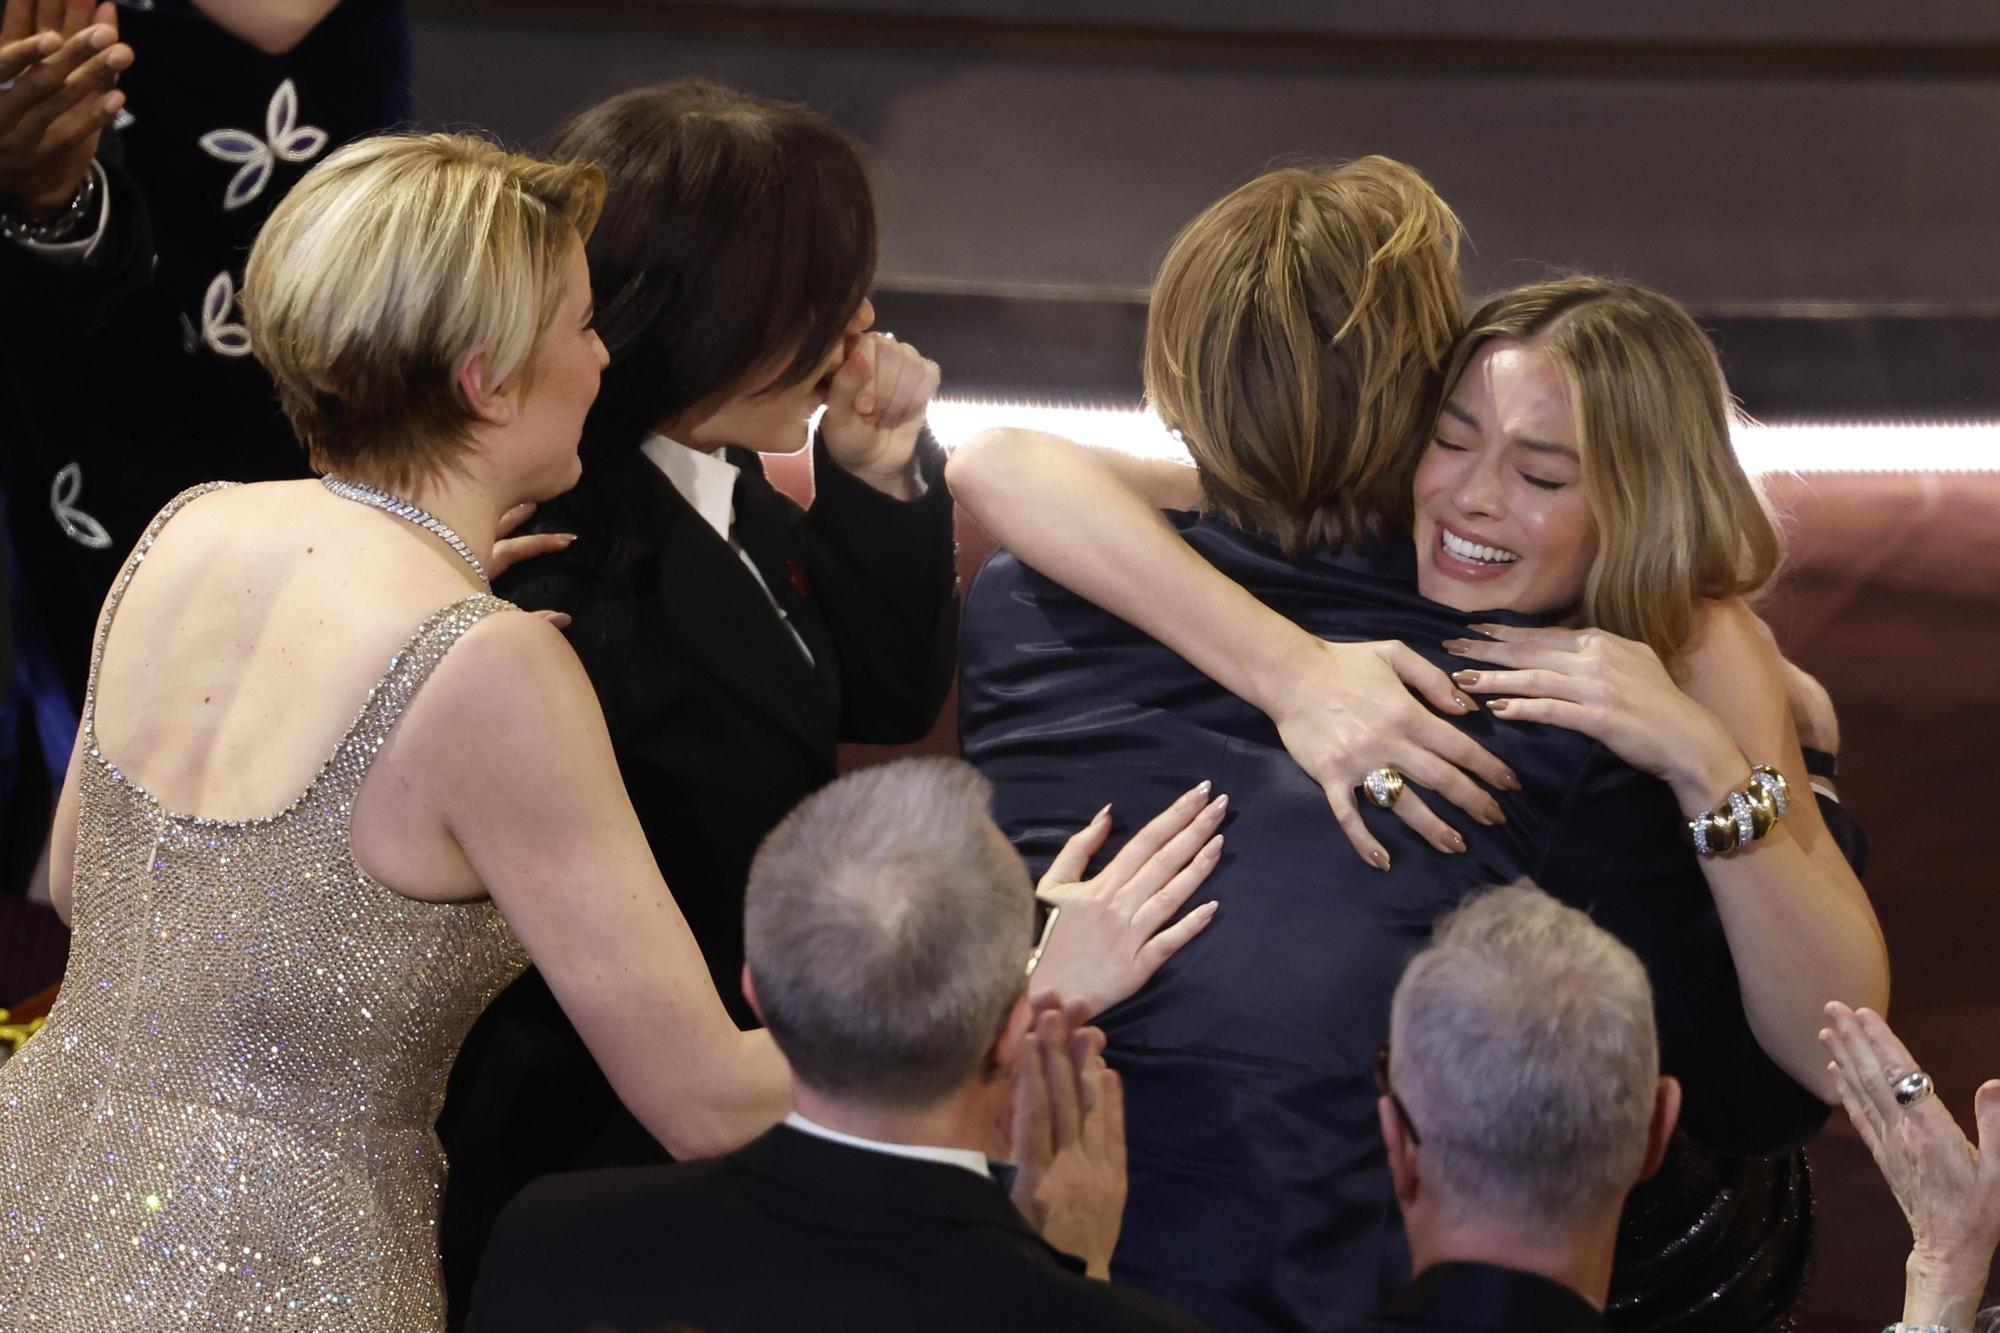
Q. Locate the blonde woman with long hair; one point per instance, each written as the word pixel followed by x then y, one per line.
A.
pixel 1563 466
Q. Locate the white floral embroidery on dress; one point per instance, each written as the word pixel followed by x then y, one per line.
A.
pixel 284 140
pixel 221 333
pixel 78 526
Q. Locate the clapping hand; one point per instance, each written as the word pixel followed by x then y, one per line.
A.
pixel 58 62
pixel 1113 932
pixel 1069 1137
pixel 875 411
pixel 1948 1189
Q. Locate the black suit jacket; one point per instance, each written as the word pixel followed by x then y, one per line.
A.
pixel 1260 1195
pixel 720 727
pixel 793 1234
pixel 1482 1298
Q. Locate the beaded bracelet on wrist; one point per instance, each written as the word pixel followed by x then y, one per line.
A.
pixel 1743 816
pixel 67 223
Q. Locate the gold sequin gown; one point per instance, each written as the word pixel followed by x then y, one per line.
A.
pixel 227 1122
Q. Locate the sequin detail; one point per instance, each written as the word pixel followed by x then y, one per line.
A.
pixel 227 1122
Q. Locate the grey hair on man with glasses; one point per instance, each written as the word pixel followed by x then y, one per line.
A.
pixel 1521 1101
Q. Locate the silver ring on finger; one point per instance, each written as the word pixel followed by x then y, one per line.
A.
pixel 1913 1087
pixel 1382 785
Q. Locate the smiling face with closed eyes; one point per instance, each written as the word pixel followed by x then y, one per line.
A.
pixel 1502 520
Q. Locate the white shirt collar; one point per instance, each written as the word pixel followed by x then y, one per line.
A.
pixel 974 1162
pixel 706 481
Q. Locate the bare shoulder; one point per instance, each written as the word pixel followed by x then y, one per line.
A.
pixel 1731 665
pixel 513 665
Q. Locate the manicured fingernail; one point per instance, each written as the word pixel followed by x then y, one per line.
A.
pixel 1201 789
pixel 1499 705
pixel 1466 678
pixel 1379 859
pixel 1495 816
pixel 1509 781
pixel 1454 841
pixel 1209 908
pixel 569 539
pixel 1218 807
pixel 1458 647
pixel 1482 629
pixel 1102 815
pixel 1464 703
pixel 560 619
pixel 1212 849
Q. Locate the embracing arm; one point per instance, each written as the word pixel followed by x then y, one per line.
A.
pixel 548 828
pixel 1799 924
pixel 1090 519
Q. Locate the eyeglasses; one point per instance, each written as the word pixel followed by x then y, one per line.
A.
pixel 1388 1089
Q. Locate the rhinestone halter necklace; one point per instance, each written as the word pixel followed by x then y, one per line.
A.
pixel 389 504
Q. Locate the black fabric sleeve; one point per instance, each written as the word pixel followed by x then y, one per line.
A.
pixel 72 299
pixel 884 574
pixel 1615 850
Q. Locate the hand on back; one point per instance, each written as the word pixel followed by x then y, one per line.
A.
pixel 1111 932
pixel 1351 708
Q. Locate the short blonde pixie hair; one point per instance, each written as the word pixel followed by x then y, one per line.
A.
pixel 1294 340
pixel 385 267
pixel 1678 519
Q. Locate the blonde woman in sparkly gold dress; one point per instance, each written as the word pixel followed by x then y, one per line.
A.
pixel 327 788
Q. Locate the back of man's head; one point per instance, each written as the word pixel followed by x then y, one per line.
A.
pixel 886 929
pixel 1523 1050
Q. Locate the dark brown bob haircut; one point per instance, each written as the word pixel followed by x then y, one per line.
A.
pixel 738 234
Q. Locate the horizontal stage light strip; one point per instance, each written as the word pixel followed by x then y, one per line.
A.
pixel 1859 446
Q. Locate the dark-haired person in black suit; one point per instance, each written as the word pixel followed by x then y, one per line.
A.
pixel 733 638
pixel 888 925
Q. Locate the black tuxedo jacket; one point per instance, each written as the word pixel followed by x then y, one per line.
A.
pixel 720 727
pixel 1482 1298
pixel 1260 1194
pixel 792 1233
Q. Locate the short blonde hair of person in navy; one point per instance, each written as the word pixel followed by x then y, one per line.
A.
pixel 393 261
pixel 1295 339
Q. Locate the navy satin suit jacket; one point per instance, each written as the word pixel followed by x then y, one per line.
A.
pixel 1260 1196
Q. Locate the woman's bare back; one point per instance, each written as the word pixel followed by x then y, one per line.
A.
pixel 246 642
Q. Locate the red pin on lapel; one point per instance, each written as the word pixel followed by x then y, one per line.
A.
pixel 799 578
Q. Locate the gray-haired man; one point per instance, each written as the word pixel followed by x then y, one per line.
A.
pixel 1521 1101
pixel 887 929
